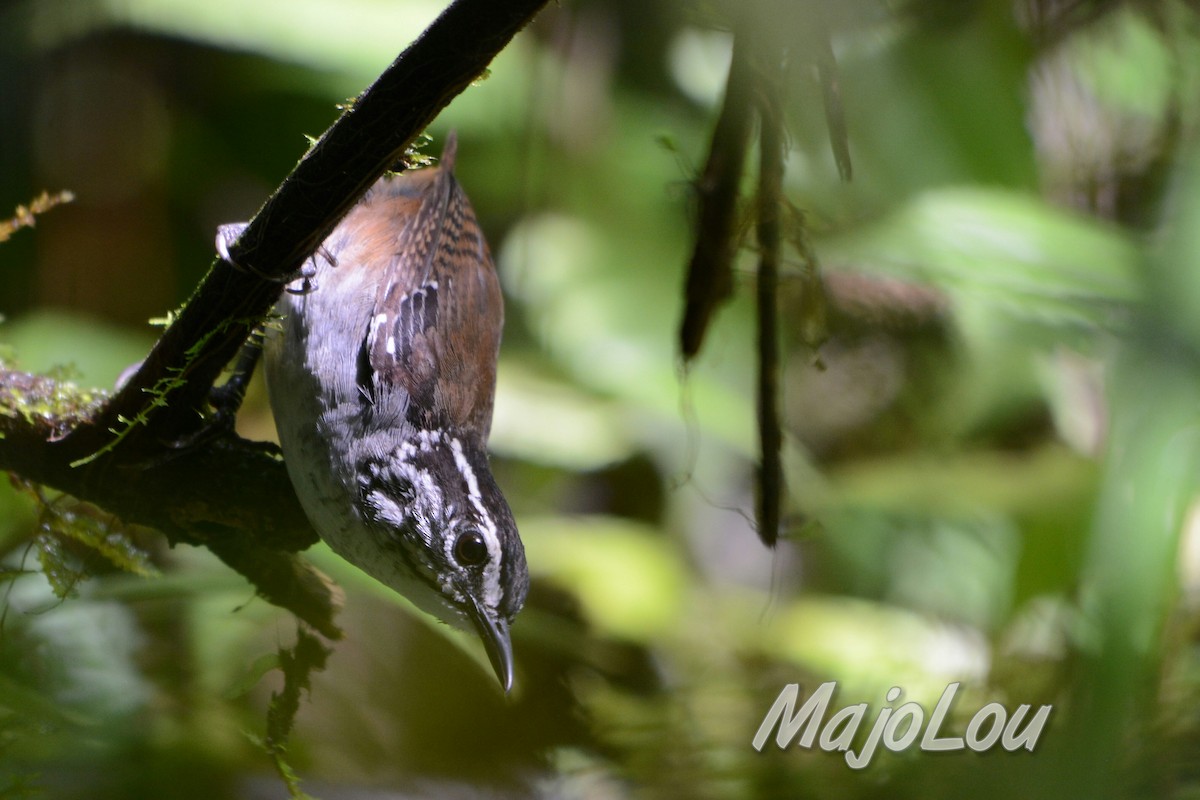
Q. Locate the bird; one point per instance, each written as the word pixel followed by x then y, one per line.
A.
pixel 381 373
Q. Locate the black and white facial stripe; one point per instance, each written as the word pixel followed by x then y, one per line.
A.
pixel 435 487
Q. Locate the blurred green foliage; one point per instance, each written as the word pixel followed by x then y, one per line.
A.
pixel 992 468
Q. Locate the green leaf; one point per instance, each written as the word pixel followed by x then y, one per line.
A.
pixel 1008 251
pixel 98 531
pixel 62 577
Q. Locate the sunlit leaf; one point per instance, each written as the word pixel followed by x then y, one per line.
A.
pixel 1009 251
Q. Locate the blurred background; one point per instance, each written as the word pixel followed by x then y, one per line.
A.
pixel 991 460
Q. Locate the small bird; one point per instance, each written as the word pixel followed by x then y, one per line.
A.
pixel 382 375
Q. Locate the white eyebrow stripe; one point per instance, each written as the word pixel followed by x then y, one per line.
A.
pixel 491 572
pixel 464 468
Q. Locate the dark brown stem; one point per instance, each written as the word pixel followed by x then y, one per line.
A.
pixel 770 203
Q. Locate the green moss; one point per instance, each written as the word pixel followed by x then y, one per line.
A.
pixel 41 400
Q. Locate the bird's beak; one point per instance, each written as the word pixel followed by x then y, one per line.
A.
pixel 494 633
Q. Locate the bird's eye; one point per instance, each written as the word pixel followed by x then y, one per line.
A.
pixel 470 549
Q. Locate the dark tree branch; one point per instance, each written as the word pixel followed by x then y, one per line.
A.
pixel 228 494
